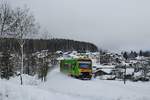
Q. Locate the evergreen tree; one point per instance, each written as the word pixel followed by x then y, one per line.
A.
pixel 135 54
pixel 30 65
pixel 146 54
pixel 43 69
pixel 132 54
pixel 33 65
pixel 125 55
pixel 141 53
pixel 6 69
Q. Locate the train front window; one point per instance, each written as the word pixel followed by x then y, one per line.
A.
pixel 85 64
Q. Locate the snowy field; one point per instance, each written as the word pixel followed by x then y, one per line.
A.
pixel 62 87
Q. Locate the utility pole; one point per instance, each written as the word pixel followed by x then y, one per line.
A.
pixel 124 74
pixel 99 57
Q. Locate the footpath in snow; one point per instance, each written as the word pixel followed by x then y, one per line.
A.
pixel 62 87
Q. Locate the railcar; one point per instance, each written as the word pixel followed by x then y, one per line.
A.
pixel 79 68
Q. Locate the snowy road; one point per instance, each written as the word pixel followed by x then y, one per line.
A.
pixel 62 87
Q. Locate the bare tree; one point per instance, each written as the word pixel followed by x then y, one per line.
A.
pixel 23 26
pixel 6 19
pixel 46 35
pixel 4 16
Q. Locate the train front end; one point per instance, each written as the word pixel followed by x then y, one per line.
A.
pixel 85 68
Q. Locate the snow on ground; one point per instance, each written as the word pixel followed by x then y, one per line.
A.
pixel 97 89
pixel 12 90
pixel 62 87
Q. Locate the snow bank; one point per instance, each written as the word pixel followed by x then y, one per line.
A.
pixel 9 91
pixel 12 90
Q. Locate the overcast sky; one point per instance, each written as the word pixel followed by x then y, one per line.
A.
pixel 110 24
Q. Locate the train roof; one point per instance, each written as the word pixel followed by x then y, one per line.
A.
pixel 84 59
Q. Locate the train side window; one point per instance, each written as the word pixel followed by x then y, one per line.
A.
pixel 67 66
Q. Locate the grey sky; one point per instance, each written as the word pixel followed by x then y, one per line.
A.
pixel 110 24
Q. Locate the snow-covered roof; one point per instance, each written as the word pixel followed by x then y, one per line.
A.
pixel 73 56
pixel 124 63
pixel 129 71
pixel 58 52
pixel 137 74
pixel 105 66
pixel 107 70
pixel 60 58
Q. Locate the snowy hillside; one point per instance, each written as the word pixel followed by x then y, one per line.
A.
pixel 61 87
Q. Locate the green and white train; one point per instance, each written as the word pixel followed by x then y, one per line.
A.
pixel 79 68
